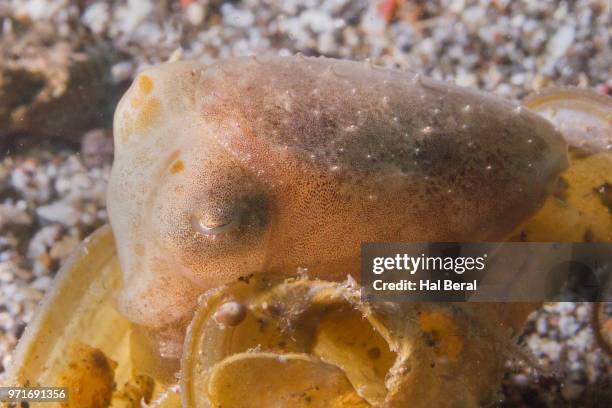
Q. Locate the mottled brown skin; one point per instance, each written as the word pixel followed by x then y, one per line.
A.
pixel 273 164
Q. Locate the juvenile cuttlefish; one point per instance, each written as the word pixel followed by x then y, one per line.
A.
pixel 273 164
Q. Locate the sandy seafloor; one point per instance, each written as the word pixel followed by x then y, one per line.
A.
pixel 52 188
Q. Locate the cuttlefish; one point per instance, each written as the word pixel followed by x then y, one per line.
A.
pixel 288 164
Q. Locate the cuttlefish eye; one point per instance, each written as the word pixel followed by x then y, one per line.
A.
pixel 214 225
pixel 211 218
pixel 245 213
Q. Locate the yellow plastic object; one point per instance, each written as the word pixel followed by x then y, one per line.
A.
pixel 391 354
pixel 208 341
pixel 78 339
pixel 346 339
pixel 281 317
pixel 334 320
pixel 253 380
pixel 79 307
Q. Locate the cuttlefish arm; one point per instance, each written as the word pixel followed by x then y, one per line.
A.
pixel 273 164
